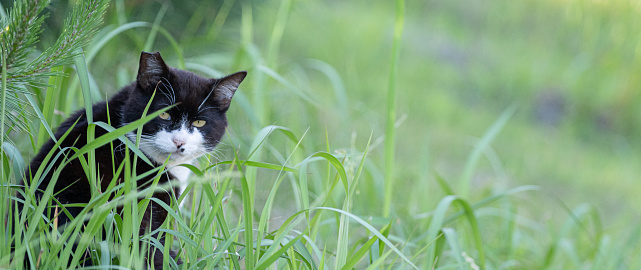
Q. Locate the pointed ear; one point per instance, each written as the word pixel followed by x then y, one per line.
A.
pixel 226 87
pixel 151 69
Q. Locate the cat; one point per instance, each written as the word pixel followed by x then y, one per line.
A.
pixel 190 129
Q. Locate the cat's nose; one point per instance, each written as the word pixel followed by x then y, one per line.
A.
pixel 179 143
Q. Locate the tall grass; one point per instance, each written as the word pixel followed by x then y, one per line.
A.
pixel 391 108
pixel 303 193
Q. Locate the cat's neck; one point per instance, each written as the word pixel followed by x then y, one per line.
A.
pixel 180 173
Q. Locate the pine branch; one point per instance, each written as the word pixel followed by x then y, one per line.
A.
pixel 79 28
pixel 20 30
pixel 78 31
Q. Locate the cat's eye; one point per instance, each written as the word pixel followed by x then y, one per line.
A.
pixel 199 123
pixel 165 116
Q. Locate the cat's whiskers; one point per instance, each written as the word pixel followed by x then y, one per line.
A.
pixel 120 148
pixel 207 108
pixel 206 157
pixel 217 155
pixel 207 97
pixel 165 94
pixel 170 89
pixel 208 152
pixel 197 153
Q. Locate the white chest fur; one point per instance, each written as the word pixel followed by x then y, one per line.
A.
pixel 181 174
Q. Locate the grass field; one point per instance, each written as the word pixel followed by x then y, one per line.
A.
pixel 513 129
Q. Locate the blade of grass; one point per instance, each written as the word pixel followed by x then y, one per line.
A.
pixel 220 19
pixel 96 47
pixel 3 101
pixel 573 221
pixel 343 236
pixel 373 231
pixel 358 255
pixel 343 229
pixel 438 220
pixel 302 253
pixel 17 162
pixel 120 12
pixel 248 214
pixel 249 163
pixel 51 100
pixel 2 12
pixel 277 32
pixel 452 239
pixel 215 200
pixel 226 245
pixel 273 257
pixel 482 203
pixel 225 230
pixel 281 235
pixel 151 37
pixel 43 122
pixel 391 110
pixel 267 209
pixel 473 158
pixel 126 141
pixel 334 162
pixel 337 85
pixel 83 75
pixel 382 259
pixel 262 135
pixel 99 44
pixel 296 90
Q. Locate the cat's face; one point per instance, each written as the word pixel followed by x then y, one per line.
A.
pixel 197 122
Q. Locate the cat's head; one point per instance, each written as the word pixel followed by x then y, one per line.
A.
pixel 197 122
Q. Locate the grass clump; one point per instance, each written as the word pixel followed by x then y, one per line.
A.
pixel 311 191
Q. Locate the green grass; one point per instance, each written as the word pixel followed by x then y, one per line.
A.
pixel 306 179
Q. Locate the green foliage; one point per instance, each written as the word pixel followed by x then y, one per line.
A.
pixel 20 30
pixel 391 108
pixel 306 192
pixel 19 33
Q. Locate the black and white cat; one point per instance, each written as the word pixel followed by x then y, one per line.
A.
pixel 190 129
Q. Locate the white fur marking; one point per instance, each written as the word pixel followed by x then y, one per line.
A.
pixel 181 174
pixel 160 146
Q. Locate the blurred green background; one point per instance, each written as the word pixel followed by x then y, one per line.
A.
pixel 570 67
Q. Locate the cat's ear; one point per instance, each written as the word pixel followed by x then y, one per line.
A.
pixel 226 87
pixel 151 69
